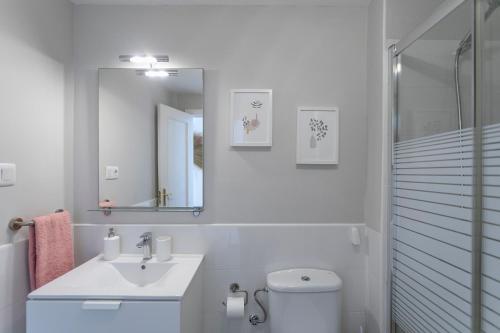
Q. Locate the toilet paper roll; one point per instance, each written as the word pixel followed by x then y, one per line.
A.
pixel 235 307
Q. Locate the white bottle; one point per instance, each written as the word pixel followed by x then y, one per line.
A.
pixel 164 248
pixel 111 245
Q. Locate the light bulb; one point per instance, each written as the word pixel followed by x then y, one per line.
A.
pixel 143 60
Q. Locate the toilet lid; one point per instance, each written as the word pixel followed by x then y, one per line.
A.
pixel 303 280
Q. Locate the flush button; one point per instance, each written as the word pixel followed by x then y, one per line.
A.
pixel 305 278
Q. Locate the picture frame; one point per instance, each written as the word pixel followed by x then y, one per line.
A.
pixel 251 121
pixel 318 130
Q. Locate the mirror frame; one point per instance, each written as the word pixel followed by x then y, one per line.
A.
pixel 107 211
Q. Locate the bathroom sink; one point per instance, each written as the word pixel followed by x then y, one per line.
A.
pixel 139 272
pixel 127 277
pixel 123 295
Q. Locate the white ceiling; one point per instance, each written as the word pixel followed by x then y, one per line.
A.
pixel 226 2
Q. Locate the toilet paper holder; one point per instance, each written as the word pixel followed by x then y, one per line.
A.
pixel 235 289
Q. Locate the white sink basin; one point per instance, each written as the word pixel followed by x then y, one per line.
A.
pixel 127 277
pixel 141 273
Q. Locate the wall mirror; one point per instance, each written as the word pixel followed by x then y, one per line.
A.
pixel 151 139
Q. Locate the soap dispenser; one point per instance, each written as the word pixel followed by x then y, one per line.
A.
pixel 111 245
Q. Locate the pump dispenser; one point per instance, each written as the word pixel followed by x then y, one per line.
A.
pixel 111 245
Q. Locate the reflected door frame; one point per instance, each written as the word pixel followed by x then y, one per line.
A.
pixel 168 117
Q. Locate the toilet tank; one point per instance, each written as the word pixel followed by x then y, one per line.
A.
pixel 304 301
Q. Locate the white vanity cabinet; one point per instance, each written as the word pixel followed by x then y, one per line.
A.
pixel 57 316
pixel 100 297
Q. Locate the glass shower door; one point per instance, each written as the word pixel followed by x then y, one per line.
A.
pixel 445 228
pixel 433 250
pixel 489 51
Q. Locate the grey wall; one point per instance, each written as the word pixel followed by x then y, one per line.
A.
pixel 307 55
pixel 405 15
pixel 35 103
pixel 189 101
pixel 375 62
pixel 35 131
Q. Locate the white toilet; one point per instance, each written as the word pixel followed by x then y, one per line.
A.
pixel 304 300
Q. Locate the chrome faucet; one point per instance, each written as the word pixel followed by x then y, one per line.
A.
pixel 146 244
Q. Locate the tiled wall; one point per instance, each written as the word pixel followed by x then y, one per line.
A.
pixel 245 254
pixel 14 286
pixel 375 288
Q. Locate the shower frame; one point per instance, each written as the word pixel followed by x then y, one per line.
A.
pixel 394 61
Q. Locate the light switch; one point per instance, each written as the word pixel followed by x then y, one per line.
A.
pixel 7 174
pixel 112 172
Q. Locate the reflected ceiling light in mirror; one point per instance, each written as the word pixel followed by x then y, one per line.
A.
pixel 144 59
pixel 157 73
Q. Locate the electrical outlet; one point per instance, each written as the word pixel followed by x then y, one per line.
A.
pixel 112 173
pixel 7 174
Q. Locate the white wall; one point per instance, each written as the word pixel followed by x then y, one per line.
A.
pixel 377 126
pixel 35 131
pixel 308 55
pixel 245 253
pixel 376 286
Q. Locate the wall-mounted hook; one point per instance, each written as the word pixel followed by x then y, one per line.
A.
pixel 197 212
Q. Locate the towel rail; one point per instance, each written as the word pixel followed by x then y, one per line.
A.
pixel 17 222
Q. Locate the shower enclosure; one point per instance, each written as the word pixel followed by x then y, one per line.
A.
pixel 445 226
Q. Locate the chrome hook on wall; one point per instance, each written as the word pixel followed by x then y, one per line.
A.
pixel 197 211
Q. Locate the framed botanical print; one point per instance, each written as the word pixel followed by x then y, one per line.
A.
pixel 251 117
pixel 318 135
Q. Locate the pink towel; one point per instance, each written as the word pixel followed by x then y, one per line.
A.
pixel 50 252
